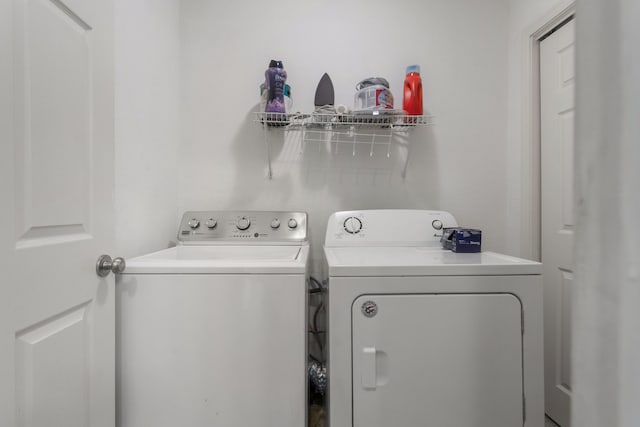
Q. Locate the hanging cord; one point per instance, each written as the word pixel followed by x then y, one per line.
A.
pixel 313 327
pixel 316 369
pixel 315 281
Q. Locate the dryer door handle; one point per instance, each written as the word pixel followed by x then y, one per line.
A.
pixel 368 372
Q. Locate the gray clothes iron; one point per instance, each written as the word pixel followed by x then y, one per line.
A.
pixel 324 92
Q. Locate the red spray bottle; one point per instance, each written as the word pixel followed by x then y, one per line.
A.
pixel 412 100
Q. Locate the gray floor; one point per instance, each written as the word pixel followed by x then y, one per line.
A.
pixel 549 423
pixel 316 418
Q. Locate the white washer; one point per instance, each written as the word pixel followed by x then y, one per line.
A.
pixel 212 332
pixel 419 335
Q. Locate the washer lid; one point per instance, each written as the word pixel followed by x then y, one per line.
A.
pixel 423 261
pixel 185 259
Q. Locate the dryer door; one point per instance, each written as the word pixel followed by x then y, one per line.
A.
pixel 442 360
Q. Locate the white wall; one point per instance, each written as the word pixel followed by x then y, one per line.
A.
pixel 458 165
pixel 7 185
pixel 525 18
pixel 147 128
pixel 606 319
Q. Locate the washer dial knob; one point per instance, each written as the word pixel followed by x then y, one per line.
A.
pixel 211 223
pixel 243 224
pixel 352 225
pixel 275 224
pixel 292 223
pixel 436 224
pixel 194 223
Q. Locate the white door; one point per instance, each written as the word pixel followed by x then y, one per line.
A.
pixel 557 84
pixel 437 360
pixel 56 315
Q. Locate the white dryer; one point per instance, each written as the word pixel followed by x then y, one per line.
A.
pixel 422 336
pixel 212 332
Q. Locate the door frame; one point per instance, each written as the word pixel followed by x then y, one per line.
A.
pixel 531 202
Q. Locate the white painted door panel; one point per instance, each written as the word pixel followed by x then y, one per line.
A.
pixel 557 82
pixel 437 360
pixel 57 327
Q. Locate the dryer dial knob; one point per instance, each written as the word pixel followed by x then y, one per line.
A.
pixel 211 223
pixel 352 225
pixel 436 224
pixel 275 224
pixel 194 223
pixel 243 224
pixel 292 223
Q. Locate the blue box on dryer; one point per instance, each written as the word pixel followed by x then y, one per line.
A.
pixel 462 240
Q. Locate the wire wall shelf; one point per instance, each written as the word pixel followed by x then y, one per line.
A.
pixel 382 119
pixel 371 129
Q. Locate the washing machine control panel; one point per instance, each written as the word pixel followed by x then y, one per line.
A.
pixel 249 227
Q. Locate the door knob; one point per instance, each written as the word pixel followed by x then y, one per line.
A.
pixel 105 264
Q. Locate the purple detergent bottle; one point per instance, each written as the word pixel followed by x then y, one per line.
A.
pixel 275 78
